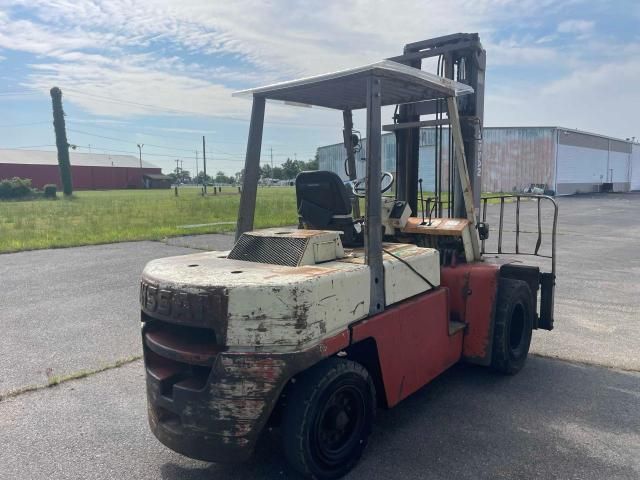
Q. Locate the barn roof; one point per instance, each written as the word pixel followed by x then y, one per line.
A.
pixel 42 157
pixel 156 176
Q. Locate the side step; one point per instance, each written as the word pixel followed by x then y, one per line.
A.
pixel 455 326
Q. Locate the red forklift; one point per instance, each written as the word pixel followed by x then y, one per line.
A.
pixel 311 329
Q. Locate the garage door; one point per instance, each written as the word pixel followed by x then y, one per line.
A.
pixel 580 169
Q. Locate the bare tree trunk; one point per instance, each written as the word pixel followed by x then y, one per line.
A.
pixel 61 141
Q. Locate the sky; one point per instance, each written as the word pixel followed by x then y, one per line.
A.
pixel 162 73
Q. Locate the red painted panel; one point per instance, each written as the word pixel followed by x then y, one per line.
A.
pixel 334 344
pixel 84 177
pixel 413 343
pixel 40 175
pixel 473 288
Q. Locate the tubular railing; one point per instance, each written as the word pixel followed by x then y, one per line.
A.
pixel 518 197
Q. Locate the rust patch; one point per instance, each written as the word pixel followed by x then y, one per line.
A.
pixel 312 271
pixel 222 420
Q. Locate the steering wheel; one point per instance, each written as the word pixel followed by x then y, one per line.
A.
pixel 360 189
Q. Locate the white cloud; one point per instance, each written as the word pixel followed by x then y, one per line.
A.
pixel 92 84
pixel 601 99
pixel 518 52
pixel 160 53
pixel 576 26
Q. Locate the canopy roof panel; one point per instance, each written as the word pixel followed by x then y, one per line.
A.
pixel 347 89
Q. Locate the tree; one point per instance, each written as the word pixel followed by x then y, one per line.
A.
pixel 180 175
pixel 290 169
pixel 201 178
pixel 61 141
pixel 265 171
pixel 277 173
pixel 222 178
pixel 313 164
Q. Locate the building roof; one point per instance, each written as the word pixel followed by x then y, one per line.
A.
pixel 42 157
pixel 347 89
pixel 537 127
pixel 156 176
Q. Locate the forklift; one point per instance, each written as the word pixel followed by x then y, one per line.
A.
pixel 309 330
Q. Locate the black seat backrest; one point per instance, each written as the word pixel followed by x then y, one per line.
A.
pixel 320 196
pixel 324 204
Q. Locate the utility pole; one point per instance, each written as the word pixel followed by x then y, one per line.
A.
pixel 197 172
pixel 204 161
pixel 177 168
pixel 61 141
pixel 140 145
pixel 271 152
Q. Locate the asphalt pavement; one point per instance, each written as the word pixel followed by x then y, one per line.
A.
pixel 69 310
pixel 554 420
pixel 597 304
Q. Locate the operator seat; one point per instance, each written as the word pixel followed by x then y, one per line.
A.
pixel 324 204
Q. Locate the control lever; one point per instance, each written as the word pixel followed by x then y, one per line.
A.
pixel 424 222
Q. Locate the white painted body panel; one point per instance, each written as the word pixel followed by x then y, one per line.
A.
pixel 400 282
pixel 280 308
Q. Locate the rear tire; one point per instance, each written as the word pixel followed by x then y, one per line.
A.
pixel 328 418
pixel 513 326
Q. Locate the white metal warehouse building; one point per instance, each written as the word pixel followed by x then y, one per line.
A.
pixel 557 159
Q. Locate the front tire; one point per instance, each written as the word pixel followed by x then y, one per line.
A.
pixel 513 326
pixel 328 418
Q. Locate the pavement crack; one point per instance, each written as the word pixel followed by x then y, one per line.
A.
pixel 56 380
pixel 585 363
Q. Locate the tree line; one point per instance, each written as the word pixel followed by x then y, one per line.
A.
pixel 287 171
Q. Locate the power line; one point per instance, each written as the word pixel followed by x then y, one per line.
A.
pixel 263 158
pixel 219 152
pixel 29 146
pixel 24 124
pixel 127 141
pixel 191 112
pixel 22 92
pixel 130 152
pixel 141 132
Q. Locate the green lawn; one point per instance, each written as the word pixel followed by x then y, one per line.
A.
pixel 93 217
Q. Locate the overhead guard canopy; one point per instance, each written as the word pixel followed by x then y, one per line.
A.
pixel 347 89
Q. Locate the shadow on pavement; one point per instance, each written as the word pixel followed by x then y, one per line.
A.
pixel 553 420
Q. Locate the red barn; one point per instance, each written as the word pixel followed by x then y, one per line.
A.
pixel 90 171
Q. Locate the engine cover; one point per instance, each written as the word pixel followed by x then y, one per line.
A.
pixel 256 306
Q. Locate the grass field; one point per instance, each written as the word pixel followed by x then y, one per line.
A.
pixel 93 217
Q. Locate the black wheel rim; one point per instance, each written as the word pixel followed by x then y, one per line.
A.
pixel 517 331
pixel 338 426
